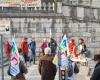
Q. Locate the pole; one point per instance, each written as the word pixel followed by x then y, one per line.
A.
pixel 59 63
pixel 2 62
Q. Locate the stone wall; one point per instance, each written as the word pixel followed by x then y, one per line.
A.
pixel 78 23
pixel 39 28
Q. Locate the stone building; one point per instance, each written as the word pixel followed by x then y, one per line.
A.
pixel 75 18
pixel 82 19
pixel 39 22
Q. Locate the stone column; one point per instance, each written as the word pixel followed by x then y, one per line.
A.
pixel 59 6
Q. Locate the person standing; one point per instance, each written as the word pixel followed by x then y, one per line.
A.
pixel 24 47
pixel 53 45
pixel 32 46
pixel 46 68
pixel 82 49
pixel 22 67
pixel 96 73
pixel 43 45
pixel 75 70
pixel 72 48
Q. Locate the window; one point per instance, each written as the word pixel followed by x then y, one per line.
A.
pixel 80 1
pixel 89 14
pixel 86 14
pixel 98 14
pixel 38 27
pixel 73 12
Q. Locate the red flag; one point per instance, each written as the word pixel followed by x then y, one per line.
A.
pixel 8 49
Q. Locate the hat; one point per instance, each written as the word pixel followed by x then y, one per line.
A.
pixel 96 57
pixel 47 50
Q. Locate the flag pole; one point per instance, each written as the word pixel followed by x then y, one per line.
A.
pixel 59 63
pixel 2 62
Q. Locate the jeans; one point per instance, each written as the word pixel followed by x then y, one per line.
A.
pixel 32 57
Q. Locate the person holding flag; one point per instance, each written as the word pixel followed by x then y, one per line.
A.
pixel 62 60
pixel 17 69
pixel 62 49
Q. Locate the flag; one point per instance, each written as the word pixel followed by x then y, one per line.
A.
pixel 8 49
pixel 63 44
pixel 62 48
pixel 14 69
pixel 63 59
pixel 55 59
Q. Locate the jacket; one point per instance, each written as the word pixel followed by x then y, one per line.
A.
pixel 47 69
pixel 72 49
pixel 43 45
pixel 96 73
pixel 24 47
pixel 32 46
pixel 53 46
pixel 20 76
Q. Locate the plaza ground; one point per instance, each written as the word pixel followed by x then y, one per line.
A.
pixel 33 73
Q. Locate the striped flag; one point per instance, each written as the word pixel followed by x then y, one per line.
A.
pixel 14 69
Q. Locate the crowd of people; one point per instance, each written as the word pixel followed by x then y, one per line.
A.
pixel 31 47
pixel 47 66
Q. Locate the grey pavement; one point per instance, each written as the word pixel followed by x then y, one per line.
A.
pixel 33 73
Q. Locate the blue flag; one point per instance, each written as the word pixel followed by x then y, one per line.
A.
pixel 64 44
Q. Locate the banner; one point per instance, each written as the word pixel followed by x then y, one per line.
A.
pixel 20 3
pixel 14 69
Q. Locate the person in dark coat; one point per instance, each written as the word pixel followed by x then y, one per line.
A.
pixel 53 45
pixel 47 69
pixel 32 46
pixel 96 73
pixel 22 67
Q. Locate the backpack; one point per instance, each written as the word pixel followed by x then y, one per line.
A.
pixel 76 69
pixel 70 69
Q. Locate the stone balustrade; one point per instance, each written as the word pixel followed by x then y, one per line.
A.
pixel 45 7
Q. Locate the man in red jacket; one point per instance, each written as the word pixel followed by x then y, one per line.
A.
pixel 24 47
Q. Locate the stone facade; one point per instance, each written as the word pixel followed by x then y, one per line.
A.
pixel 75 18
pixel 82 20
